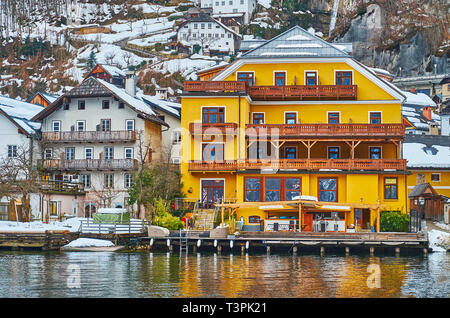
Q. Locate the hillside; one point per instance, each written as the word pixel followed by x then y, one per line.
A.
pixel 45 47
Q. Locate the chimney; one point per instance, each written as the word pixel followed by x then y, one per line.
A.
pixel 413 90
pixel 130 83
pixel 426 112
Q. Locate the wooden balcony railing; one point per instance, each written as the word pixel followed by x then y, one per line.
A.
pixel 89 136
pixel 300 164
pixel 55 186
pixel 288 92
pixel 213 129
pixel 303 92
pixel 205 86
pixel 90 164
pixel 331 130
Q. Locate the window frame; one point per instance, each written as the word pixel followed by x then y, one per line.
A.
pixel 279 75
pixel 336 191
pixel 338 76
pixel 209 114
pixel 66 157
pixel 126 124
pixel 81 102
pixel 53 125
pixel 387 191
pixel 247 78
pixel 286 113
pixel 206 144
pixel 125 152
pixel 375 147
pixel 316 77
pixel 105 152
pixel 435 174
pixel 375 112
pixel 106 102
pixel 78 127
pixel 263 118
pixel 330 113
pixel 13 150
pixel 285 152
pixel 92 153
pixel 338 151
pixel 105 120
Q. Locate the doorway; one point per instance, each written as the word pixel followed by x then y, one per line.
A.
pixel 212 191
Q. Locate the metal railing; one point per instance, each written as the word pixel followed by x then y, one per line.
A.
pixel 132 227
pixel 89 136
pixel 90 164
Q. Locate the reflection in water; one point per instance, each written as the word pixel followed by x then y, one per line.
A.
pixel 26 274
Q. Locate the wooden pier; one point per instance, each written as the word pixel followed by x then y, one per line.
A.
pixel 387 243
pixel 48 240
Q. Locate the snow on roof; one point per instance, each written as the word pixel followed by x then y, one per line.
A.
pixel 134 102
pixel 113 70
pixel 418 99
pixel 421 155
pixel 21 113
pixel 48 97
pixel 165 106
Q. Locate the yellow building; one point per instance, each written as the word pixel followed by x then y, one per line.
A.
pixel 295 118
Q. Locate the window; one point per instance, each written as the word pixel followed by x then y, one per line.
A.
pixel 375 152
pixel 128 153
pixel 213 115
pixel 105 124
pixel 56 125
pixel 229 36
pixel 81 104
pixel 258 118
pixel 129 125
pixel 70 153
pixel 290 152
pixel 81 125
pixel 212 152
pixel 328 189
pixel 128 178
pixel 390 188
pixel 202 26
pixel 252 189
pixel 109 180
pixel 333 152
pixel 109 153
pixel 333 118
pixel 254 219
pixel 12 151
pixel 436 177
pixel 66 106
pixel 209 26
pixel 292 188
pixel 89 153
pixel 248 77
pixel 176 137
pixel 105 104
pixel 53 208
pixel 374 117
pixel 121 105
pixel 48 153
pixel 86 180
pixel 311 78
pixel 280 78
pixel 344 78
pixel 195 26
pixel 290 118
pixel 420 178
pixel 272 189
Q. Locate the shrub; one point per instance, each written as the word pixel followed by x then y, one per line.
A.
pixel 394 221
pixel 165 219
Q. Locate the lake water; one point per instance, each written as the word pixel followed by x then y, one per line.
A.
pixel 144 274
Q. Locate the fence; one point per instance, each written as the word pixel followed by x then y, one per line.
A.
pixel 134 226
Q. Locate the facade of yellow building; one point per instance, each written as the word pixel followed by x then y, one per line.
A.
pixel 295 118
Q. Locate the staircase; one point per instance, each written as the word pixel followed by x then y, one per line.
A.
pixel 204 219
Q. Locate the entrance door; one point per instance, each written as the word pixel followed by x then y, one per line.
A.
pixel 307 222
pixel 362 218
pixel 212 191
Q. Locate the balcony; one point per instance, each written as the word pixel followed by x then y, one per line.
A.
pixel 213 129
pixel 326 130
pixel 289 92
pixel 90 164
pixel 61 187
pixel 301 164
pixel 89 136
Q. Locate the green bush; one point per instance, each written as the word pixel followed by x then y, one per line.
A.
pixel 165 219
pixel 394 221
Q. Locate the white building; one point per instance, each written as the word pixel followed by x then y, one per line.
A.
pixel 170 113
pixel 211 35
pixel 231 6
pixel 97 134
pixel 17 139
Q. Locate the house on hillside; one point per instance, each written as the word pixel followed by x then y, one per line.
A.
pixel 43 99
pixel 109 73
pixel 18 146
pixel 97 134
pixel 219 7
pixel 295 118
pixel 212 36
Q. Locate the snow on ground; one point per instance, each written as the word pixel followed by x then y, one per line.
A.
pixel 87 242
pixel 186 66
pixel 442 226
pixel 39 227
pixel 153 8
pixel 152 40
pixel 265 3
pixel 438 239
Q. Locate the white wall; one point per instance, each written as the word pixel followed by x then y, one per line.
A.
pixel 445 125
pixel 231 6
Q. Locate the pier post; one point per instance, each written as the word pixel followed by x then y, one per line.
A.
pixel 219 248
pixel 372 251
pixel 397 251
pixel 242 249
pixel 425 252
pixel 322 250
pixel 347 251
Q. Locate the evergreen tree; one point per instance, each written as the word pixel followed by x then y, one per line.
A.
pixel 91 62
